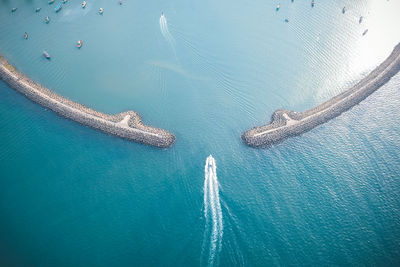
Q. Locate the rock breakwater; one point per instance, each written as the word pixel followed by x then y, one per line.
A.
pixel 286 123
pixel 127 125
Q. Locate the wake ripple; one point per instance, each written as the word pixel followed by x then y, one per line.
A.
pixel 165 32
pixel 212 213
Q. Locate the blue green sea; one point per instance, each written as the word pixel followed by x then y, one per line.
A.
pixel 206 71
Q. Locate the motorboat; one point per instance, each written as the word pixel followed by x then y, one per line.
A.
pixel 47 19
pixel 210 162
pixel 278 7
pixel 38 9
pixel 26 35
pixel 365 32
pixel 46 55
pixel 312 3
pixel 51 2
pixel 83 4
pixel 361 19
pixel 14 9
pixel 101 11
pixel 58 7
pixel 65 1
pixel 79 44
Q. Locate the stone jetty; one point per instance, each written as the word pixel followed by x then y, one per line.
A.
pixel 127 125
pixel 286 123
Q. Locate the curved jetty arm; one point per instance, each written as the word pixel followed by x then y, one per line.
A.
pixel 285 123
pixel 127 125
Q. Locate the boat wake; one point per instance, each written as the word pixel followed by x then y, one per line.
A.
pixel 212 213
pixel 165 32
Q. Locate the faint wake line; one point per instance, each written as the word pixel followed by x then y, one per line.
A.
pixel 165 32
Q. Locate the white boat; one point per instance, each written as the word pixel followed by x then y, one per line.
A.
pixel 79 44
pixel 83 4
pixel 46 55
pixel 58 7
pixel 210 163
pixel 101 10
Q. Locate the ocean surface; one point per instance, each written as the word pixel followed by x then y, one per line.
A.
pixel 206 71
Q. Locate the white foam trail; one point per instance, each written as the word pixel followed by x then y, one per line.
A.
pixel 165 32
pixel 212 210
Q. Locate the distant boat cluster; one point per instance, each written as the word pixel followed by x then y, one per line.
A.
pixel 57 9
pixel 278 7
pixel 101 11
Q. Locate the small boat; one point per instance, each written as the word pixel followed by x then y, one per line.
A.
pixel 83 4
pixel 120 2
pixel 58 7
pixel 46 55
pixel 101 11
pixel 65 1
pixel 51 2
pixel 38 9
pixel 312 3
pixel 47 19
pixel 361 19
pixel 278 7
pixel 14 9
pixel 286 20
pixel 26 35
pixel 344 10
pixel 79 44
pixel 365 32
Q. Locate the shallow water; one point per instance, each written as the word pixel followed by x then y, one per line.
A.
pixel 70 195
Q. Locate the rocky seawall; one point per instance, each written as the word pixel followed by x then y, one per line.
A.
pixel 286 123
pixel 127 125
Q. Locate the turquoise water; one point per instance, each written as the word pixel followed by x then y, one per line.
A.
pixel 72 196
